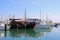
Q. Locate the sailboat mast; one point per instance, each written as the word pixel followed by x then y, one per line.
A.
pixel 40 14
pixel 47 17
pixel 25 19
pixel 25 14
pixel 14 16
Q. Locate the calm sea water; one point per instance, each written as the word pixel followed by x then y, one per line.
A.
pixel 51 33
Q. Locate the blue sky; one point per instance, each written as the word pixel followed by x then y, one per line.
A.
pixel 50 7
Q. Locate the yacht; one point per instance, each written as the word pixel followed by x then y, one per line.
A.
pixel 44 24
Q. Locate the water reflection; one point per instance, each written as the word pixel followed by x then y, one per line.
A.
pixel 23 32
pixel 2 34
pixel 19 33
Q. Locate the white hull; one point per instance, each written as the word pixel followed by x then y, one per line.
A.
pixel 41 26
pixel 44 25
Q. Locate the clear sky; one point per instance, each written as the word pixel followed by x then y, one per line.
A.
pixel 50 7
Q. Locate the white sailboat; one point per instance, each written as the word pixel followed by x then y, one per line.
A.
pixel 44 23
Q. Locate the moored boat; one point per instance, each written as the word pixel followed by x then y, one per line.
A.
pixel 21 24
pixel 44 24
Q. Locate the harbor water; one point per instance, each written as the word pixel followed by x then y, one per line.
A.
pixel 51 33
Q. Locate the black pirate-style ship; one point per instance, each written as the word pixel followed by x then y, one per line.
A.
pixel 21 24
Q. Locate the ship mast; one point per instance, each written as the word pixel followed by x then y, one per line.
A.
pixel 40 14
pixel 46 18
pixel 25 18
pixel 25 14
pixel 14 16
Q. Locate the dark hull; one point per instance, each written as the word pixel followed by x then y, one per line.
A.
pixel 19 25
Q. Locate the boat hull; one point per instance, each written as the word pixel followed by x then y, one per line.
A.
pixel 43 26
pixel 19 25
